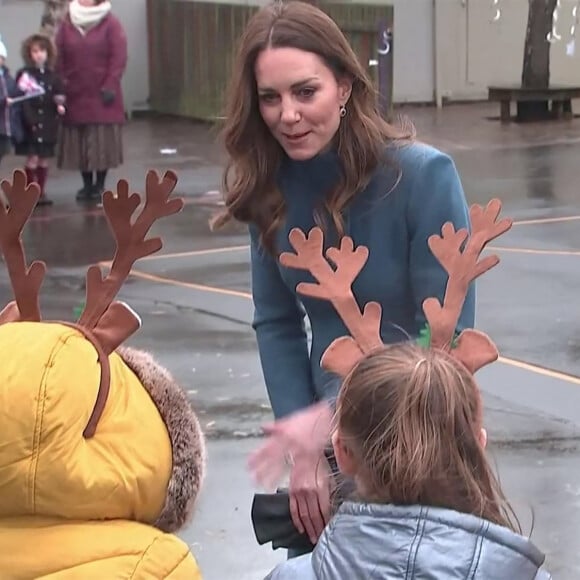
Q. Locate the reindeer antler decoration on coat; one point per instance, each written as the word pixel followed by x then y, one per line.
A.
pixel 458 253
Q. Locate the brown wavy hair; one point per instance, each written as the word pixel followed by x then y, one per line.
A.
pixel 412 417
pixel 251 195
pixel 44 42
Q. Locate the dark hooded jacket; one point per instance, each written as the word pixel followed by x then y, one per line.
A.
pixel 40 118
pixel 10 121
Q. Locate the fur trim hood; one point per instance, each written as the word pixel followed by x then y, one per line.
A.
pixel 187 440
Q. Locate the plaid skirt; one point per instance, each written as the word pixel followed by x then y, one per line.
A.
pixel 90 147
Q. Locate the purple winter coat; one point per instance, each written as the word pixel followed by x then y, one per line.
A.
pixel 88 64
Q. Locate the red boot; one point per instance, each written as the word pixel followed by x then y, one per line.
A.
pixel 31 176
pixel 41 174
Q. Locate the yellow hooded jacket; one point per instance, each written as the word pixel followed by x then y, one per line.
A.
pixel 99 507
pixel 74 508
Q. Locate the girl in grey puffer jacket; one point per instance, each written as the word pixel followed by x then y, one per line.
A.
pixel 428 504
pixel 409 432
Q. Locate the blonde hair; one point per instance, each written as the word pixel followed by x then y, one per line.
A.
pixel 251 195
pixel 413 418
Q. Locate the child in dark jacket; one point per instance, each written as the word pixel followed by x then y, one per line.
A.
pixel 10 128
pixel 40 115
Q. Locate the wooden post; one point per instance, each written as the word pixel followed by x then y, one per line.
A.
pixel 505 111
pixel 536 66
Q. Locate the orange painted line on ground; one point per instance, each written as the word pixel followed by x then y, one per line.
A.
pixel 189 285
pixel 572 379
pixel 541 370
pixel 190 253
pixel 554 220
pixel 226 249
pixel 535 251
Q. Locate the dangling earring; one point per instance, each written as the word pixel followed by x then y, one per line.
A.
pixel 342 110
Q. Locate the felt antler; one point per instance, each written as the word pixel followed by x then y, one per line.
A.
pixel 26 281
pixel 474 349
pixel 460 260
pixel 336 287
pixel 105 322
pixel 113 322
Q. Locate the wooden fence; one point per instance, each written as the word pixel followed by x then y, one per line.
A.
pixel 191 45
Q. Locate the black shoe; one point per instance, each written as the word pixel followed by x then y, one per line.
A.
pixel 84 194
pixel 97 195
pixel 97 191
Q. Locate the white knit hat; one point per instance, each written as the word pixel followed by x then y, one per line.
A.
pixel 3 51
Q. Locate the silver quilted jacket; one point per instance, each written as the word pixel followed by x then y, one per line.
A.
pixel 386 542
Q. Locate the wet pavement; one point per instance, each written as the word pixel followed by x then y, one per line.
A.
pixel 196 310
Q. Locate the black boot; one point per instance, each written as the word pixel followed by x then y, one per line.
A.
pixel 85 192
pixel 100 181
pixel 99 187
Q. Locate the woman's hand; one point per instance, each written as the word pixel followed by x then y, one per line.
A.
pixel 310 487
pixel 300 436
pixel 60 110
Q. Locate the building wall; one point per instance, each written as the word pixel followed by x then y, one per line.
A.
pixel 473 51
pixel 18 19
pixel 452 49
pixel 449 49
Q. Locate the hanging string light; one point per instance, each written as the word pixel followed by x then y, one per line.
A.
pixel 553 35
pixel 571 46
pixel 575 19
pixel 496 10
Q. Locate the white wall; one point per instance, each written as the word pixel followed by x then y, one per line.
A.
pixel 413 42
pixel 473 51
pixel 18 19
pixel 133 15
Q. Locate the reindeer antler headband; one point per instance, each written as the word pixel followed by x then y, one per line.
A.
pixel 104 322
pixel 458 253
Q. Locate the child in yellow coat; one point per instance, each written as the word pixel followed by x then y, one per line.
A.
pixel 101 455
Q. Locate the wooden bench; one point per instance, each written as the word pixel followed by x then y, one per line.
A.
pixel 560 97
